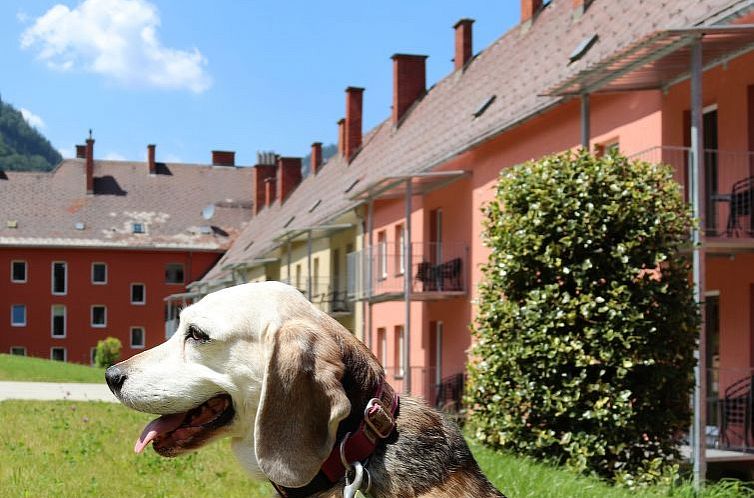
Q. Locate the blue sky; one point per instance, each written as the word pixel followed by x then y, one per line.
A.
pixel 192 76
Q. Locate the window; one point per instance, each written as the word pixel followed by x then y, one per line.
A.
pixel 18 351
pixel 59 278
pixel 99 316
pixel 18 315
pixel 315 277
pixel 381 346
pixel 138 228
pixel 298 277
pixel 607 148
pixel 137 337
pixel 174 273
pixel 382 255
pixel 99 273
pixel 18 272
pixel 58 320
pixel 57 354
pixel 400 365
pixel 400 246
pixel 138 294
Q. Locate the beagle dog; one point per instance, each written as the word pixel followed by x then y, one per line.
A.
pixel 305 403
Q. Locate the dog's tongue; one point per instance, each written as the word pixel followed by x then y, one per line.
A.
pixel 162 425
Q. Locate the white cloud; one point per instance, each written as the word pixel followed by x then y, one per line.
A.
pixel 66 152
pixel 114 156
pixel 32 118
pixel 117 39
pixel 22 16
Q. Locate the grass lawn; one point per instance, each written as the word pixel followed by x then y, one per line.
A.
pixel 72 449
pixel 36 369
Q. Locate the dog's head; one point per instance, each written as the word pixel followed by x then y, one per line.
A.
pixel 255 362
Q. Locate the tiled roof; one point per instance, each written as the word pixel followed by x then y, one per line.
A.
pixel 516 68
pixel 46 207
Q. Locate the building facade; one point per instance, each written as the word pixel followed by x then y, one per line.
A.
pixel 91 249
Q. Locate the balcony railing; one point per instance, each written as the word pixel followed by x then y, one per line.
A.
pixel 443 392
pixel 327 295
pixel 437 270
pixel 727 185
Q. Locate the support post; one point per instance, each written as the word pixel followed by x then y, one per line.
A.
pixel 288 257
pixel 309 265
pixel 408 271
pixel 367 273
pixel 696 173
pixel 585 121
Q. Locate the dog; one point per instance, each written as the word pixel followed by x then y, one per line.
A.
pixel 298 395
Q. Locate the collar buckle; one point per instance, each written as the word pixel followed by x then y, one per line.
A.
pixel 379 418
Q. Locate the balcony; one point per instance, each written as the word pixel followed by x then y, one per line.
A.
pixel 437 271
pixel 327 296
pixel 728 190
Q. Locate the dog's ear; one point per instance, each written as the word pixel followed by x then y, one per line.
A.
pixel 302 402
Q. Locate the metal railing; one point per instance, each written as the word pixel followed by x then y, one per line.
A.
pixel 728 186
pixel 730 409
pixel 443 392
pixel 436 269
pixel 327 295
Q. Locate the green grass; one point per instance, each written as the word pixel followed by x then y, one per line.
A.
pixel 25 368
pixel 72 449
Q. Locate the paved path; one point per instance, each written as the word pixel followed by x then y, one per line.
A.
pixel 53 390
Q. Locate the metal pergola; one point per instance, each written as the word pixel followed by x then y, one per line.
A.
pixel 657 62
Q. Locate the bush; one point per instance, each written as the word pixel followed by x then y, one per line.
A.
pixel 589 357
pixel 108 352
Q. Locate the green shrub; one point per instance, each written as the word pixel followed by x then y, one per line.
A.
pixel 108 352
pixel 588 359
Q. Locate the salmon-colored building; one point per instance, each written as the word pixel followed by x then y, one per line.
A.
pixel 604 74
pixel 92 248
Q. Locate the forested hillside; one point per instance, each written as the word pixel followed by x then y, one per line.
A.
pixel 22 147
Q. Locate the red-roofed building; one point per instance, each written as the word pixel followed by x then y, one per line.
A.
pixel 92 248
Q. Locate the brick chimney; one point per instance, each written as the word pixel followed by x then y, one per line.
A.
pixel 529 9
pixel 223 158
pixel 289 176
pixel 269 191
pixel 316 157
pixel 341 135
pixel 150 159
pixel 354 101
pixel 262 173
pixel 89 165
pixel 409 82
pixel 463 42
pixel 80 151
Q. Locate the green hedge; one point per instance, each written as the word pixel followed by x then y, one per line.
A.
pixel 588 358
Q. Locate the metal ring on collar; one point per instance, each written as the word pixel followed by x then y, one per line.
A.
pixel 345 463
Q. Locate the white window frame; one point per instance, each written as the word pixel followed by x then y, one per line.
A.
pixel 18 324
pixel 10 350
pixel 65 278
pixel 382 254
pixel 65 353
pixel 143 294
pixel 400 248
pixel 92 274
pixel 131 337
pixel 26 271
pixel 400 344
pixel 91 316
pixel 52 321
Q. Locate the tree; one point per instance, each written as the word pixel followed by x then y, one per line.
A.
pixel 587 324
pixel 108 352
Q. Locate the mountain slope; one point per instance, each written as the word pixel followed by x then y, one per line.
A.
pixel 23 148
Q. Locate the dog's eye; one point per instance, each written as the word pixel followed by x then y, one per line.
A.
pixel 196 334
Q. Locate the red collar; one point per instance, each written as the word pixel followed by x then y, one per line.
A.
pixel 378 423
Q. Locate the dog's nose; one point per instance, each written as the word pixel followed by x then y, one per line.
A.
pixel 115 378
